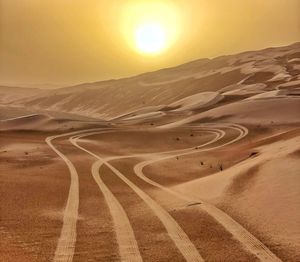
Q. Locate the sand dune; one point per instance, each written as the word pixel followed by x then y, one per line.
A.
pixel 272 68
pixel 254 111
pixel 197 101
pixel 31 122
pixel 268 180
pixel 277 93
pixel 39 122
pixel 199 162
pixel 144 116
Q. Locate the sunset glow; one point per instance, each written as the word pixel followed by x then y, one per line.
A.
pixel 150 28
pixel 151 38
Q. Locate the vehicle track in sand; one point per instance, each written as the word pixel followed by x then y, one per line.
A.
pixel 128 247
pixel 66 243
pixel 175 232
pixel 248 241
pixel 67 240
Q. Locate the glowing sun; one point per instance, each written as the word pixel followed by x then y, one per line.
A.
pixel 151 38
pixel 151 27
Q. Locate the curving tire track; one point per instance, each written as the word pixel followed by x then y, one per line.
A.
pixel 128 247
pixel 249 242
pixel 138 168
pixel 67 240
pixel 179 237
pixel 66 243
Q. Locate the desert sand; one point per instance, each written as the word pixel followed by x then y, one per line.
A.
pixel 198 162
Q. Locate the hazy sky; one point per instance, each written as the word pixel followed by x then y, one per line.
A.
pixel 64 42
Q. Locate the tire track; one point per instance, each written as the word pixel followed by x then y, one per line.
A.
pixel 179 237
pixel 138 168
pixel 128 247
pixel 66 243
pixel 250 242
pixel 67 240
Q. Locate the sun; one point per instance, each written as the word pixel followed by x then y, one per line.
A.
pixel 151 27
pixel 151 38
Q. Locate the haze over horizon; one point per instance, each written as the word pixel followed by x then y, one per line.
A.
pixel 59 43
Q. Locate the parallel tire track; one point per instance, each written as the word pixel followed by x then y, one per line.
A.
pixel 179 237
pixel 250 242
pixel 66 243
pixel 128 247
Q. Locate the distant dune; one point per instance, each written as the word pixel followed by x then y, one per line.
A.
pixel 232 77
pixel 40 122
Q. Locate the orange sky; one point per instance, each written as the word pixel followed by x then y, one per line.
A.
pixel 47 43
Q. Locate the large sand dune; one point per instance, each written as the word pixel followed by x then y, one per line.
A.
pixel 269 69
pixel 39 122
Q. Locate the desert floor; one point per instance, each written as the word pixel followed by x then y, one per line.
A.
pixel 213 192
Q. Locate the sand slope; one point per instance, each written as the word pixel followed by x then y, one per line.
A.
pixel 270 69
pixel 40 122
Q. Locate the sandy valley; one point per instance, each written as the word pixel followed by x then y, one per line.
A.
pixel 198 162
